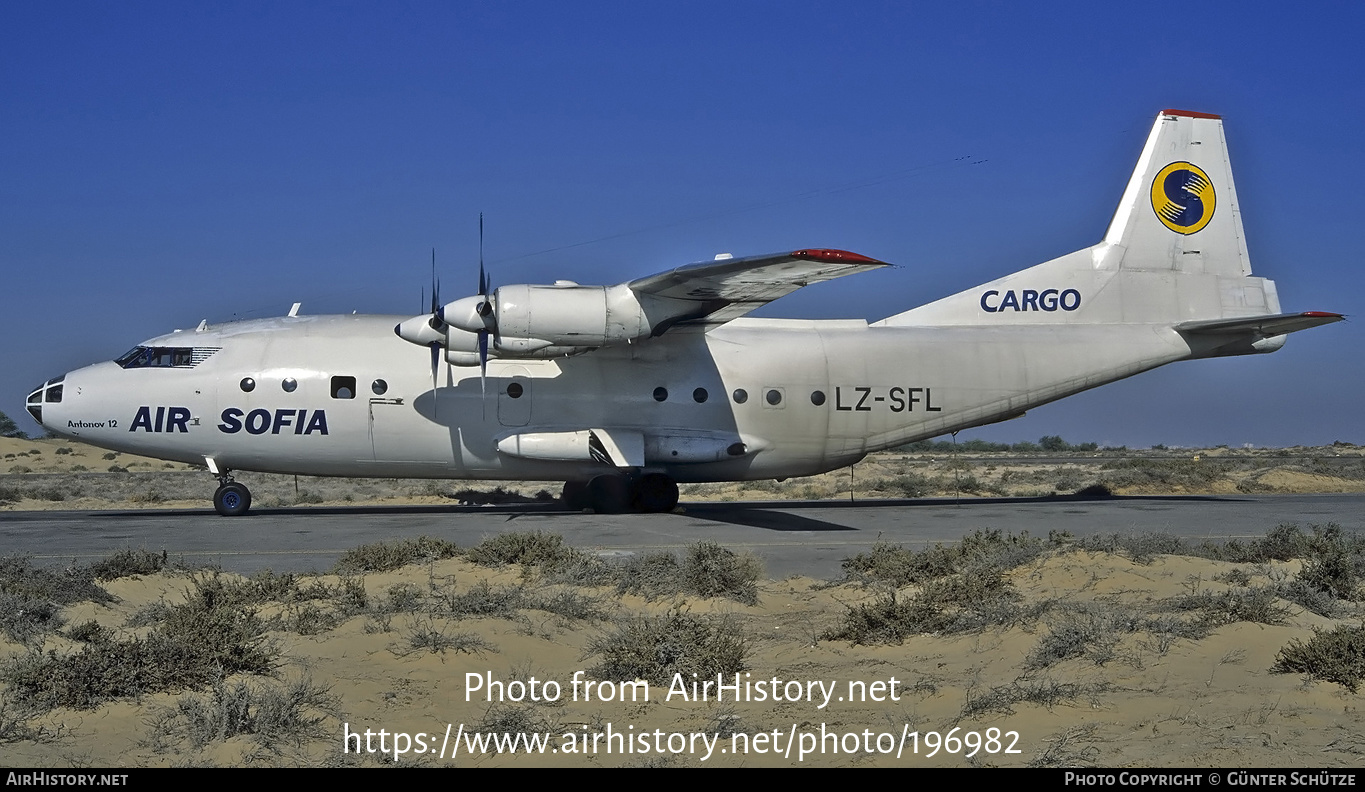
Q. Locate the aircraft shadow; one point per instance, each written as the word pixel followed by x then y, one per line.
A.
pixel 767 516
pixel 875 503
pixel 773 515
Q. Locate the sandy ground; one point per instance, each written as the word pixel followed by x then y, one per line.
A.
pixel 1141 700
pixel 55 474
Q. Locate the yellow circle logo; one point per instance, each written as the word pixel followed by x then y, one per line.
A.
pixel 1183 198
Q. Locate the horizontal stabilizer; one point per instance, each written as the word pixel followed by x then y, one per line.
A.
pixel 1265 326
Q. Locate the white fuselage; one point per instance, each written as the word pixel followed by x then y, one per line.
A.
pixel 817 395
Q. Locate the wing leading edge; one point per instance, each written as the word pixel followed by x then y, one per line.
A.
pixel 729 288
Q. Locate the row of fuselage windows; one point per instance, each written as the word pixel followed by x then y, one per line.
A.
pixel 341 387
pixel 345 388
pixel 772 396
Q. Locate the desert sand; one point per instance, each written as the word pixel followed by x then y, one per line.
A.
pixel 1129 694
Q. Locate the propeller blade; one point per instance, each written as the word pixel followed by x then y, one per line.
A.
pixel 435 285
pixel 483 277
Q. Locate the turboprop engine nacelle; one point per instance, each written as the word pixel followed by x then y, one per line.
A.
pixel 526 318
pixel 421 330
pixel 462 348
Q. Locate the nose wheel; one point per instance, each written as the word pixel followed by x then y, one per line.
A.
pixel 232 499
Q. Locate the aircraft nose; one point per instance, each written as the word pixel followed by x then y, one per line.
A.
pixel 49 392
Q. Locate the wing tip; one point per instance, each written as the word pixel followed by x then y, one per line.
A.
pixel 833 256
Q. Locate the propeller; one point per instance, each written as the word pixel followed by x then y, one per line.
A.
pixel 436 322
pixel 428 329
pixel 485 311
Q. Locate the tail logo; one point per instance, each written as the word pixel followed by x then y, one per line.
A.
pixel 1183 198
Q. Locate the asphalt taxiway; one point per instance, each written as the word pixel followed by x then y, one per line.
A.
pixel 792 537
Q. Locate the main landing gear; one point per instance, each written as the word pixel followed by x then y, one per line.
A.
pixel 613 493
pixel 231 498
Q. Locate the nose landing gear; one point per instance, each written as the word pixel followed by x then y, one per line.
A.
pixel 231 498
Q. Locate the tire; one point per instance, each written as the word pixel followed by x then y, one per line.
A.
pixel 232 500
pixel 609 494
pixel 655 493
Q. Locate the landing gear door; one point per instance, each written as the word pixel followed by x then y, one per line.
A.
pixel 514 396
pixel 385 430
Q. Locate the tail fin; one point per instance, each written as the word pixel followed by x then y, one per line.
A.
pixel 1174 253
pixel 1180 210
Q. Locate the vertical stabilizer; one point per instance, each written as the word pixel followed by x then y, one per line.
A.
pixel 1174 251
pixel 1180 209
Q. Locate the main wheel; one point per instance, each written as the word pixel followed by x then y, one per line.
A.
pixel 609 493
pixel 232 499
pixel 655 492
pixel 575 495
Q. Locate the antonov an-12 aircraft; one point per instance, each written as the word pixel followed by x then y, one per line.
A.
pixel 624 391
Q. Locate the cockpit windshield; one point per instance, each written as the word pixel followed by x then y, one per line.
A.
pixel 164 357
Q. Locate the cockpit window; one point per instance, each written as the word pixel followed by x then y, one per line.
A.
pixel 165 357
pixel 54 394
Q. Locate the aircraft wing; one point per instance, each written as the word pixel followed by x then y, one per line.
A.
pixel 1265 326
pixel 728 288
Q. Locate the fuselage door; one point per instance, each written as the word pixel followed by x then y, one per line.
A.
pixel 514 396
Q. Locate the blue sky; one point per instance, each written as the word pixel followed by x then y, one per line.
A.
pixel 163 163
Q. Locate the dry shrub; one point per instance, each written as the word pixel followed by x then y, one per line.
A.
pixel 207 637
pixel 656 648
pixel 388 556
pixel 707 570
pixel 126 563
pixel 1336 655
pixel 293 713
